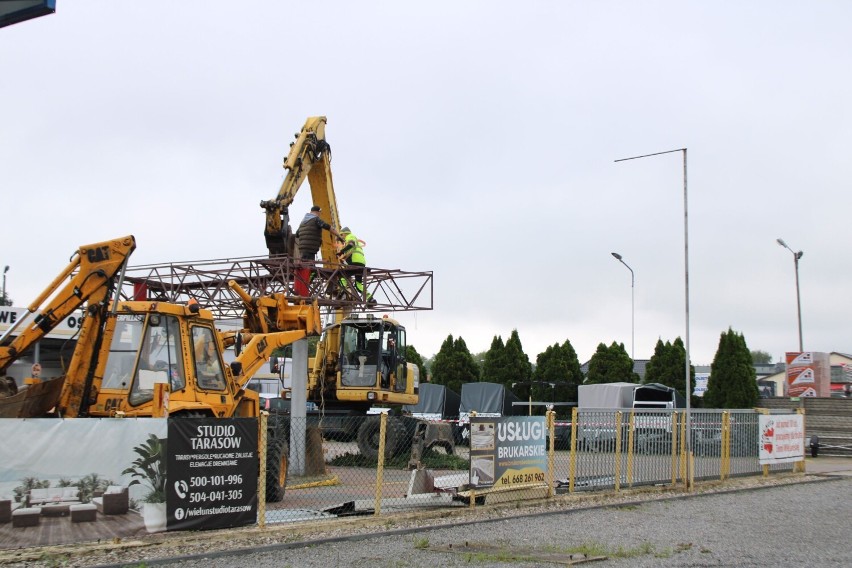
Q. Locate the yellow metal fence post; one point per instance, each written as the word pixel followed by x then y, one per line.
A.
pixel 801 465
pixel 618 451
pixel 572 459
pixel 764 411
pixel 683 456
pixel 631 421
pixel 551 428
pixel 261 476
pixel 675 429
pixel 470 444
pixel 380 470
pixel 725 458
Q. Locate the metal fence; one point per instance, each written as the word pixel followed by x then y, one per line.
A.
pixel 357 465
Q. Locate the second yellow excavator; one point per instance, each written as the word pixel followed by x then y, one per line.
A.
pixel 361 361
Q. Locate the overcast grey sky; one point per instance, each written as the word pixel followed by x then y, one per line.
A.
pixel 473 139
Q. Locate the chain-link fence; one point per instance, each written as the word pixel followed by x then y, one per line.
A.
pixel 344 465
pixel 341 465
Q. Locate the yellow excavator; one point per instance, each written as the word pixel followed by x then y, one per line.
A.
pixel 126 347
pixel 89 278
pixel 361 359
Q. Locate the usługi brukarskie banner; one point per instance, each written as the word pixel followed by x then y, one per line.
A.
pixel 507 451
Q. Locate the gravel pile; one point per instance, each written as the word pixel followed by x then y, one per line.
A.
pixel 794 520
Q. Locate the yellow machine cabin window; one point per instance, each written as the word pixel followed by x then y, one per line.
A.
pixel 208 364
pixel 160 359
pixel 123 351
pixel 395 355
pixel 360 354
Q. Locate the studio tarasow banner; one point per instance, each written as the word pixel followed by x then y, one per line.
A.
pixel 212 473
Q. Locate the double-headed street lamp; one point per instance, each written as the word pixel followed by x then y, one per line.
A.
pixel 686 297
pixel 796 257
pixel 632 307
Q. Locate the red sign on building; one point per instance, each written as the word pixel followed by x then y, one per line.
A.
pixel 808 374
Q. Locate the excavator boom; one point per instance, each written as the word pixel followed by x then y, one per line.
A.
pixel 309 157
pixel 92 272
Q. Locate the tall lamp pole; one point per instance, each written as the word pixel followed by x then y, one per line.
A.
pixel 632 307
pixel 796 257
pixel 688 390
pixel 5 270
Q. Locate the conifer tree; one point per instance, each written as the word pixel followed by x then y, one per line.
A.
pixel 668 365
pixel 518 367
pixel 733 381
pixel 454 365
pixel 495 362
pixel 558 364
pixel 611 365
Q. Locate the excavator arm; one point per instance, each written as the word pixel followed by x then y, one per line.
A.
pixel 258 349
pixel 309 157
pixel 88 278
pixel 273 313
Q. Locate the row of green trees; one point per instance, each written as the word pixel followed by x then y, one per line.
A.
pixel 557 371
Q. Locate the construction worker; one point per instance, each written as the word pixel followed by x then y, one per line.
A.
pixel 352 253
pixel 309 241
pixel 309 234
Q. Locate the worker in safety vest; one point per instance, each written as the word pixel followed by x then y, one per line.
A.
pixel 352 253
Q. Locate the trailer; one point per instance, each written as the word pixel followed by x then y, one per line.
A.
pixel 486 399
pixel 437 402
pixel 629 395
pixel 651 405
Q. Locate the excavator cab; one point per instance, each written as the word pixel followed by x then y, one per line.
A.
pixel 141 355
pixel 372 356
pixel 146 347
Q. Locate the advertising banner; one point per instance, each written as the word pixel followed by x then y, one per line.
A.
pixel 701 383
pixel 808 374
pixel 507 451
pixel 212 473
pixel 782 438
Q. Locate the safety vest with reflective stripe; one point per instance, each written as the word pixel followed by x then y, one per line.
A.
pixel 356 253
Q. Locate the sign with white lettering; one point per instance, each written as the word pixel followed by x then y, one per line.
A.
pixel 808 374
pixel 782 438
pixel 701 383
pixel 507 451
pixel 212 473
pixel 10 315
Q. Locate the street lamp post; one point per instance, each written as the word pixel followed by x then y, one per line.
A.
pixel 796 257
pixel 688 390
pixel 632 307
pixel 5 270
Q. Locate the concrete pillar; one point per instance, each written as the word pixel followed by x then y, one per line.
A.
pixel 298 407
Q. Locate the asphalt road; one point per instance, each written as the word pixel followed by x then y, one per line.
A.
pixel 802 524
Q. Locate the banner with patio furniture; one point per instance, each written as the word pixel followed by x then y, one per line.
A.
pixel 64 481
